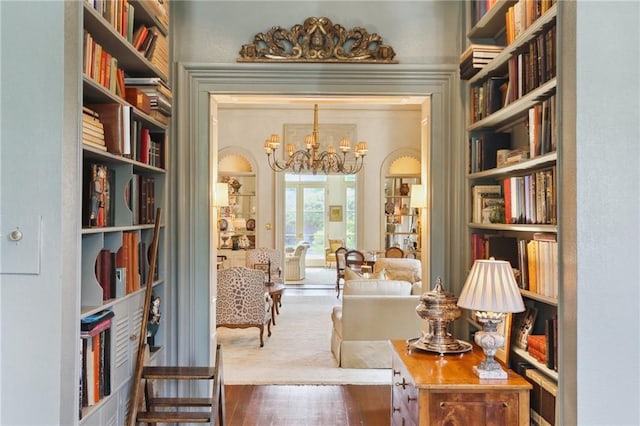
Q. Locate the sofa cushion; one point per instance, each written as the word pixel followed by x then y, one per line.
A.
pixel 350 274
pixel 377 287
pixel 403 275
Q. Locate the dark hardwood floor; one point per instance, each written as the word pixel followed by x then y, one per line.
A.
pixel 307 405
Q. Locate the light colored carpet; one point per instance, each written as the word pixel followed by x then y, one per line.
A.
pixel 298 351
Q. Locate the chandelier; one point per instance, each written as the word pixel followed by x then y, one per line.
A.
pixel 311 159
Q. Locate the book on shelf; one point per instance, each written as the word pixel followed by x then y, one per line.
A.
pixel 116 120
pixel 543 397
pixel 105 273
pixel 89 322
pixel 479 196
pixel 484 149
pixel 478 50
pixel 537 347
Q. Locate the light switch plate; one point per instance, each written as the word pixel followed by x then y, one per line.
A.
pixel 20 244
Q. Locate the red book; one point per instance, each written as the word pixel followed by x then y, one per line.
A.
pixel 103 272
pixel 537 341
pixel 540 356
pixel 506 190
pixel 145 145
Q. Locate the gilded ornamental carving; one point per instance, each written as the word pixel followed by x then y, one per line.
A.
pixel 317 40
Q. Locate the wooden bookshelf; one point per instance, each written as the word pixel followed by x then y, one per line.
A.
pixel 513 117
pixel 136 187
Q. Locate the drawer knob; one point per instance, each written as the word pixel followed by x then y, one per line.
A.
pixel 396 372
pixel 409 398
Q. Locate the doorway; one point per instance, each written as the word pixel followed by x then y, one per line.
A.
pixel 307 205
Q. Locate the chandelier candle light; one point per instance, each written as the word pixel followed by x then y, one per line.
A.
pixel 311 159
pixel 492 291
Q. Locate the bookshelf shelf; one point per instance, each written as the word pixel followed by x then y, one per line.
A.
pixel 124 162
pixel 526 124
pixel 535 163
pixel 489 26
pixel 539 366
pixel 401 221
pixel 539 297
pixel 113 42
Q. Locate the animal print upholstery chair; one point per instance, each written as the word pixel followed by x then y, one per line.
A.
pixel 242 301
pixel 262 255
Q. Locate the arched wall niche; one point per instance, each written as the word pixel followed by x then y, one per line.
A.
pixel 401 162
pixel 236 160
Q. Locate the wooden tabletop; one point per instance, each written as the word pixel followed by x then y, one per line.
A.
pixel 451 371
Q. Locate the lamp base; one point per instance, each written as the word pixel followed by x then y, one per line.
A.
pixel 489 374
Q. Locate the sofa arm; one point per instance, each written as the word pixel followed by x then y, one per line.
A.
pixel 380 317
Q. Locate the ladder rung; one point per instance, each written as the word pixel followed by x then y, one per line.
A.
pixel 180 402
pixel 173 417
pixel 179 373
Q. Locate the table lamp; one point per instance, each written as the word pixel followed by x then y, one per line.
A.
pixel 221 199
pixel 418 201
pixel 490 290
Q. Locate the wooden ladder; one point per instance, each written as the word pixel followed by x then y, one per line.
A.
pixel 171 409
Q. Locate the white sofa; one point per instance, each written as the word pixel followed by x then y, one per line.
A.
pixel 372 313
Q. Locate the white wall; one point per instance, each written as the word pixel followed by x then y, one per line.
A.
pixel 385 129
pixel 39 162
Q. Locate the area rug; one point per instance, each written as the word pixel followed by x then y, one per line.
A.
pixel 298 351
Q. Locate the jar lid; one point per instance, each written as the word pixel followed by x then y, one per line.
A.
pixel 437 296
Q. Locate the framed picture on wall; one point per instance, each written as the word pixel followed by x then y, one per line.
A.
pixel 335 213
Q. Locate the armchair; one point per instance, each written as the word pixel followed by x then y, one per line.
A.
pixel 330 252
pixel 242 301
pixel 262 255
pixel 294 263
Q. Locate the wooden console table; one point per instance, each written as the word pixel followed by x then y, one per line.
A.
pixel 429 389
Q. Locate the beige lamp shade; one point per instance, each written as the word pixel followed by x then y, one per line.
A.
pixel 418 196
pixel 221 195
pixel 491 287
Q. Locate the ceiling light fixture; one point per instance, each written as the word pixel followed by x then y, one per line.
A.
pixel 311 159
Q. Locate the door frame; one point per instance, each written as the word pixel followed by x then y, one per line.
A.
pixel 193 160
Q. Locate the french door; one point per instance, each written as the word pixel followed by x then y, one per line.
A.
pixel 305 213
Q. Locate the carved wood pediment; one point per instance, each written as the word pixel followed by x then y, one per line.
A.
pixel 317 40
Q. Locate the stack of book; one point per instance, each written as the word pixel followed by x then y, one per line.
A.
pixel 476 57
pixel 95 380
pixel 159 93
pixel 92 129
pixel 537 347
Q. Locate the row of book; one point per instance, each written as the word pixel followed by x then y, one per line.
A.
pixel 475 57
pixel 153 45
pixel 534 261
pixel 532 67
pixel 527 70
pixel 119 13
pixel 159 93
pixel 101 66
pixel 483 150
pixel 122 272
pixel 99 192
pixel 532 198
pixel 95 347
pixel 542 127
pixel 122 134
pixel 479 8
pixel 528 199
pixel 522 15
pixel 543 395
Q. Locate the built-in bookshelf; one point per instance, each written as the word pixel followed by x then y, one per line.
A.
pixel 125 142
pixel 401 220
pixel 513 176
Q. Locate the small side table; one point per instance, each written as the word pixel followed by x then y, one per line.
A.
pixel 275 291
pixel 429 389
